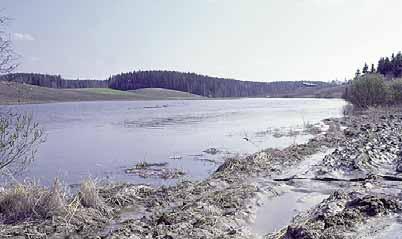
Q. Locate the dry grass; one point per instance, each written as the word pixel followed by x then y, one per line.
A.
pixel 88 195
pixel 29 201
pixel 24 202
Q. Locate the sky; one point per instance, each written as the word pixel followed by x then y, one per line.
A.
pixel 255 40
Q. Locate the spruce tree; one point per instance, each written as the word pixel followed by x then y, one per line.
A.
pixel 365 68
pixel 380 66
pixel 357 73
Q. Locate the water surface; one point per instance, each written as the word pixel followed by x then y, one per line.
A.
pixel 101 139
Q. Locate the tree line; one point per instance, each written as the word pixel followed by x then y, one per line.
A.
pixel 390 67
pixel 375 87
pixel 203 85
pixel 53 81
pixel 186 82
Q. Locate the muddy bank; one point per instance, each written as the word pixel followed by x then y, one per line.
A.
pixel 341 215
pixel 364 174
pixel 364 147
pixel 224 204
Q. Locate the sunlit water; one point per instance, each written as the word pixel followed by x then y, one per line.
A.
pixel 102 139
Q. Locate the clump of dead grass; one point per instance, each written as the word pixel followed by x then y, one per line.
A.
pixel 88 194
pixel 28 201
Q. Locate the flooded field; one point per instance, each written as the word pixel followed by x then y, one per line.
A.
pixel 104 139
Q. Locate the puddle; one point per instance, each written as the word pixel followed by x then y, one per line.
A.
pixel 276 212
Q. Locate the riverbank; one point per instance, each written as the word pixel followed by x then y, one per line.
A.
pixel 360 174
pixel 12 93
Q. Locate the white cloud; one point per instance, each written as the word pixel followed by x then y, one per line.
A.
pixel 23 36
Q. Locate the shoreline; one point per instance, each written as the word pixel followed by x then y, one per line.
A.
pixel 224 204
pixel 162 99
pixel 12 93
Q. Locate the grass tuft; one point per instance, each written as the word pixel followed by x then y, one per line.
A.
pixel 29 201
pixel 89 196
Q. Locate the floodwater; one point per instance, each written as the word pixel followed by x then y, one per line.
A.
pixel 102 139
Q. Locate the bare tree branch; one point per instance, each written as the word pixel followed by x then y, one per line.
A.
pixel 19 134
pixel 8 57
pixel 19 138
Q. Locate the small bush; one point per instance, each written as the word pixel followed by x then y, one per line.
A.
pixel 348 110
pixel 396 91
pixel 367 90
pixel 30 201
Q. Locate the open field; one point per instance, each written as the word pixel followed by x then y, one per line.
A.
pixel 16 93
pixel 164 93
pixel 104 91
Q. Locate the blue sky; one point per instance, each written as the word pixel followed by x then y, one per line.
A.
pixel 259 40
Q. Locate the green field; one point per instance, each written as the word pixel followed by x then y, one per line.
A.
pixel 16 93
pixel 106 91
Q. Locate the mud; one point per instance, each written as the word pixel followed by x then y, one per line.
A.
pixel 364 168
pixel 155 170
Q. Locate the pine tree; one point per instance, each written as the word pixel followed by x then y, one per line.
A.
pixel 357 73
pixel 380 66
pixel 387 66
pixel 365 68
pixel 398 65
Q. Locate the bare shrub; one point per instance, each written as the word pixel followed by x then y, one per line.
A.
pixel 19 135
pixel 19 138
pixel 7 56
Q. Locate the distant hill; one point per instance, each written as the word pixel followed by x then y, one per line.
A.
pixel 185 82
pixel 17 93
pixel 206 85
